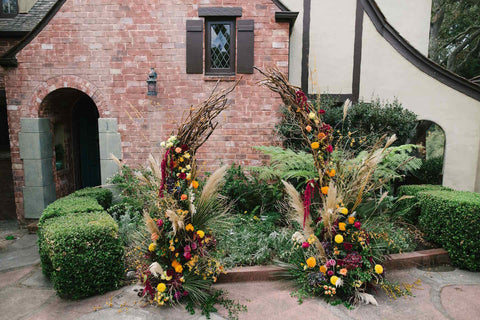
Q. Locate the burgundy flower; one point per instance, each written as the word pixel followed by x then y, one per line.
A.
pixel 182 175
pixel 301 98
pixel 326 128
pixel 347 246
pixel 177 295
pixel 357 224
pixel 159 223
pixel 184 147
pixel 353 260
pixel 321 111
pixel 187 255
pixel 170 272
pixel 305 245
pixel 185 293
pixel 330 272
pixel 329 148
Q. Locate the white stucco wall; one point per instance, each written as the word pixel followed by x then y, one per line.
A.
pixel 332 34
pixel 411 18
pixel 386 74
pixel 25 5
pixel 296 47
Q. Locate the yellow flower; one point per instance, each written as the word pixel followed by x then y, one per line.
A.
pixel 324 190
pixel 195 184
pixel 351 220
pixel 333 280
pixel 189 227
pixel 342 226
pixel 161 287
pixel 344 210
pixel 201 234
pixel 311 262
pixel 311 115
pixel 175 263
pixel 178 268
pixel 315 145
pixel 323 269
pixel 378 269
pixel 338 238
pixel 331 173
pixel 152 247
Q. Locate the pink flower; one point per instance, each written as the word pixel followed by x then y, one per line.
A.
pixel 305 245
pixel 187 255
pixel 187 248
pixel 357 225
pixel 330 272
pixel 159 223
pixel 331 263
pixel 329 148
pixel 321 111
pixel 194 245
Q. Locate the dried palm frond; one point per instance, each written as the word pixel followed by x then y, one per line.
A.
pixel 149 223
pixel 346 105
pixel 214 183
pixel 157 173
pixel 329 210
pixel 116 160
pixel 296 203
pixel 366 298
pixel 156 269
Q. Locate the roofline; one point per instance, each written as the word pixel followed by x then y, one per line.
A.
pixel 426 65
pixel 8 59
pixel 286 16
pixel 280 5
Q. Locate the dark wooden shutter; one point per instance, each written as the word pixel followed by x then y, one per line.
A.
pixel 245 46
pixel 194 46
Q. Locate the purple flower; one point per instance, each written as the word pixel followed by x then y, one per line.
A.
pixel 177 295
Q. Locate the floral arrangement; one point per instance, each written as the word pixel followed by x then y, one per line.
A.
pixel 334 257
pixel 174 258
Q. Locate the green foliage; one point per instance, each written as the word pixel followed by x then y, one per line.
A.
pixel 390 237
pixel 67 205
pixel 253 241
pixel 253 194
pixel 408 204
pixel 102 195
pixel 84 252
pixel 128 220
pixel 435 142
pixel 451 219
pixel 431 171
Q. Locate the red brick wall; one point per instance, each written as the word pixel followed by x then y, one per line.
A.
pixel 106 48
pixel 7 43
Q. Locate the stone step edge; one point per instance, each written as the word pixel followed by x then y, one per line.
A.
pixel 397 261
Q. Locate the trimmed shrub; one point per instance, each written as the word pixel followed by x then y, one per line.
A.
pixel 410 207
pixel 102 195
pixel 67 205
pixel 84 254
pixel 452 219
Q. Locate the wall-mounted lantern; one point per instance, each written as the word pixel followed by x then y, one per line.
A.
pixel 152 83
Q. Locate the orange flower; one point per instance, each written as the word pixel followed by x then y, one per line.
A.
pixel 183 197
pixel 175 164
pixel 343 271
pixel 195 184
pixel 351 220
pixel 154 236
pixel 323 269
pixel 324 190
pixel 342 226
pixel 315 145
pixel 321 136
pixel 331 173
pixel 311 262
pixel 308 128
pixel 178 149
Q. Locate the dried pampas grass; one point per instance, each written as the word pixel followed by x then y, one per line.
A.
pixel 214 183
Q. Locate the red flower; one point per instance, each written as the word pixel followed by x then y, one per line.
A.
pixel 321 111
pixel 347 246
pixel 159 223
pixel 187 255
pixel 305 245
pixel 184 147
pixel 182 175
pixel 357 225
pixel 329 148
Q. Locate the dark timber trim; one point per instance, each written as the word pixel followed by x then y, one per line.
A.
pixel 306 44
pixel 357 52
pixel 220 12
pixel 8 59
pixel 415 57
pixel 280 5
pixel 13 34
pixel 286 16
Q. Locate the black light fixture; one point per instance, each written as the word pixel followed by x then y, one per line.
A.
pixel 152 83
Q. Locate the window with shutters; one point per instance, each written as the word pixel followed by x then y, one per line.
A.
pixel 8 8
pixel 220 47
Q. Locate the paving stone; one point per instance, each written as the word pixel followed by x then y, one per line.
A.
pixel 9 278
pixel 461 301
pixel 16 303
pixel 37 280
pixel 23 252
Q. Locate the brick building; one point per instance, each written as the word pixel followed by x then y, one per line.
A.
pixel 75 85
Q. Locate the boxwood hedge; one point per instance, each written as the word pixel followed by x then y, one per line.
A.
pixel 83 254
pixel 102 195
pixel 411 206
pixel 452 219
pixel 68 205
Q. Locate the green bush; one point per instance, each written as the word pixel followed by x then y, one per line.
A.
pixel 102 195
pixel 67 205
pixel 431 171
pixel 452 219
pixel 82 254
pixel 409 208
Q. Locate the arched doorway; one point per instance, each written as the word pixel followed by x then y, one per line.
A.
pixel 432 137
pixel 74 120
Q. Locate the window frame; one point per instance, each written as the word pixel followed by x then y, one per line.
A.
pixel 8 15
pixel 233 27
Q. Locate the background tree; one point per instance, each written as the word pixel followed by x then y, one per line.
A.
pixel 455 36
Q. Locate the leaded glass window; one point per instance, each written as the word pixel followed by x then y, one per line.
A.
pixel 9 7
pixel 220 44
